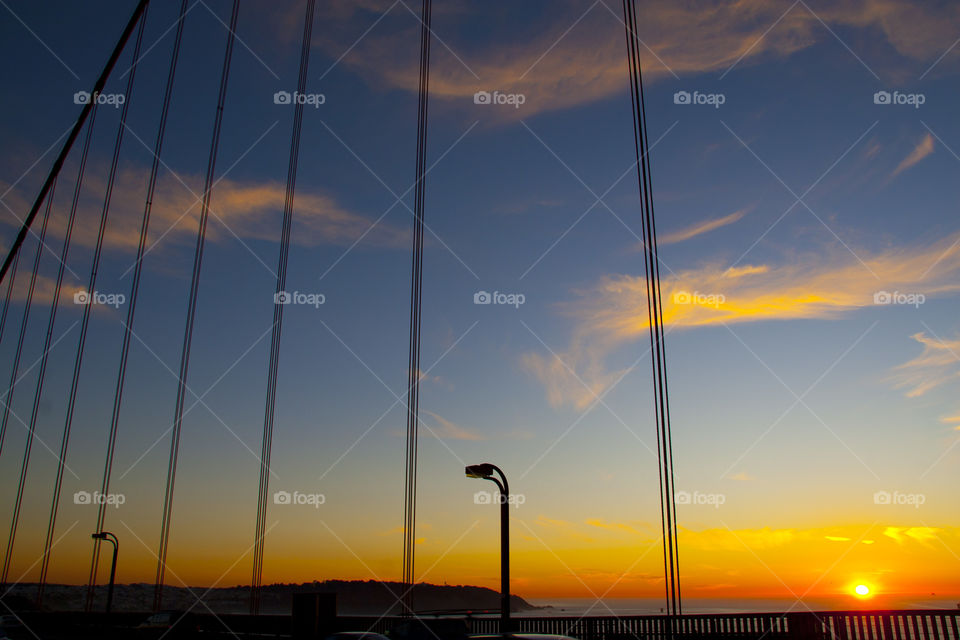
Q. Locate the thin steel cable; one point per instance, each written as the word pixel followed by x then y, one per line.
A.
pixel 271 398
pixel 655 319
pixel 6 299
pixel 86 112
pixel 3 324
pixel 631 44
pixel 101 231
pixel 191 313
pixel 416 288
pixel 134 294
pixel 24 323
pixel 41 375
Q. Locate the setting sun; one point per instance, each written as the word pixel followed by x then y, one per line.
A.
pixel 862 590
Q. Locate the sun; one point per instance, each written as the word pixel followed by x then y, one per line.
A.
pixel 862 590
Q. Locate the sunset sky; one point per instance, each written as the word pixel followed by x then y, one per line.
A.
pixel 806 200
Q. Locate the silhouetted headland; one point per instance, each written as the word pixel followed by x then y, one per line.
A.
pixel 354 597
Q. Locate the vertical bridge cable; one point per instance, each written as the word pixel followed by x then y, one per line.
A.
pixel 655 319
pixel 13 380
pixel 86 112
pixel 41 374
pixel 416 286
pixel 3 323
pixel 255 585
pixel 6 300
pixel 134 293
pixel 191 313
pixel 98 250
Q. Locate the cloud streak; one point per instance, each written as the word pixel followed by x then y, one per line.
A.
pixel 247 209
pixel 700 228
pixel 810 286
pixel 921 151
pixel 449 430
pixel 576 54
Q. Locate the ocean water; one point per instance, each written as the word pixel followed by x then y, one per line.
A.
pixel 653 606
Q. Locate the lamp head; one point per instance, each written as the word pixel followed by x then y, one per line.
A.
pixel 483 471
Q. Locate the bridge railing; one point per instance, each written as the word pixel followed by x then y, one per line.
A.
pixel 822 625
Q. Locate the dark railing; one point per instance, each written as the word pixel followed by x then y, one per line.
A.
pixel 824 625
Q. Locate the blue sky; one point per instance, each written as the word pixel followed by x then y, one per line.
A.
pixel 782 212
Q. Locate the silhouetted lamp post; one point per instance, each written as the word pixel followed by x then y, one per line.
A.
pixel 485 472
pixel 109 537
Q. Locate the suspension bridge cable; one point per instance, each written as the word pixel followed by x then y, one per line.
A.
pixel 24 323
pixel 86 112
pixel 666 430
pixel 6 300
pixel 655 319
pixel 664 518
pixel 134 294
pixel 41 375
pixel 255 588
pixel 3 324
pixel 416 287
pixel 98 249
pixel 191 313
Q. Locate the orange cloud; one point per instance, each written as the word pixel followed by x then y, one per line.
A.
pixel 239 209
pixel 921 151
pixel 576 53
pixel 813 286
pixel 701 227
pixel 448 430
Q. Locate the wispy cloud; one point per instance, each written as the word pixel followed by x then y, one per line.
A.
pixel 449 430
pixel 921 151
pixel 700 228
pixel 937 364
pixel 248 209
pixel 923 535
pixel 811 286
pixel 576 53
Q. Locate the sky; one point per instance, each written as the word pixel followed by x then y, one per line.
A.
pixel 804 160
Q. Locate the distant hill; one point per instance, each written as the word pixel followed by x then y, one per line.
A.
pixel 354 597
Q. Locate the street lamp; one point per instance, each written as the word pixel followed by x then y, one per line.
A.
pixel 485 472
pixel 109 537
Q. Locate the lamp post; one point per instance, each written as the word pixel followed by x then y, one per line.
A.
pixel 485 472
pixel 109 537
